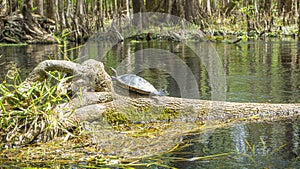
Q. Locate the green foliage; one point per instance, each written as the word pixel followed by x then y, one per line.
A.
pixel 264 159
pixel 115 118
pixel 248 10
pixel 27 110
pixel 34 9
pixel 169 114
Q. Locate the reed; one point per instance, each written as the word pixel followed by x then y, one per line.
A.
pixel 27 113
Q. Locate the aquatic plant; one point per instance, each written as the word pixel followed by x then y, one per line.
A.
pixel 262 156
pixel 28 111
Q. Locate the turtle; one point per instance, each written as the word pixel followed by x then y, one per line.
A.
pixel 135 84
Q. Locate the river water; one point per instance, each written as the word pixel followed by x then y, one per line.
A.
pixel 253 71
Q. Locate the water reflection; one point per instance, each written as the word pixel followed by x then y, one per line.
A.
pixel 263 71
pixel 253 145
pixel 256 71
pixel 182 66
pixel 24 57
pixel 27 57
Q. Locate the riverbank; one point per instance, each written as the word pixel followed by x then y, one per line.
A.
pixel 42 30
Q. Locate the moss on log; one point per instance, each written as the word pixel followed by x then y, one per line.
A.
pixel 138 125
pixel 99 91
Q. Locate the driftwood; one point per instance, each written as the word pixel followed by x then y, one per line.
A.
pixel 170 117
pixel 99 97
pixel 89 75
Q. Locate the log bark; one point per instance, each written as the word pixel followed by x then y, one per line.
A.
pixel 99 109
pixel 89 75
pixel 100 97
pixel 186 110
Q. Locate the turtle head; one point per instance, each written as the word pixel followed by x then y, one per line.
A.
pixel 162 92
pixel 115 73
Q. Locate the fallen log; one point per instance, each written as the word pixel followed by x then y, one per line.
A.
pixel 99 91
pixel 132 125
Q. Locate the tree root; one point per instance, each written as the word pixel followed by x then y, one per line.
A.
pixel 15 29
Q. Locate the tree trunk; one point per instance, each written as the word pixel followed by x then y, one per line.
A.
pixel 189 10
pixel 116 8
pixel 280 6
pixel 128 9
pixel 106 9
pixel 13 6
pixel 39 7
pixel 299 22
pixel 99 19
pixel 68 13
pixel 296 5
pixel 181 8
pixel 156 6
pixel 3 8
pixel 61 15
pixel 93 7
pixel 79 8
pixel 169 5
pixel 208 7
pixel 138 7
pixel 26 11
pixel 78 20
pixel 288 11
pixel 230 6
pixel 50 9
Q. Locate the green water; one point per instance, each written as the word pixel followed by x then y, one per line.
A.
pixel 254 71
pixel 255 145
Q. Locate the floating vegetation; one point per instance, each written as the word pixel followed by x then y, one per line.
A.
pixel 27 111
pixel 80 154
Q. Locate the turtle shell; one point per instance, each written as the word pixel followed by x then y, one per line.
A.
pixel 136 83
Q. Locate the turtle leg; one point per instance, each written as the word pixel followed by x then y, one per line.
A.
pixel 152 96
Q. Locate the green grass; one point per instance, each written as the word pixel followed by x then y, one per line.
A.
pixel 27 111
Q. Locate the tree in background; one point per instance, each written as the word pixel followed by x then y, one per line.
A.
pixel 83 17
